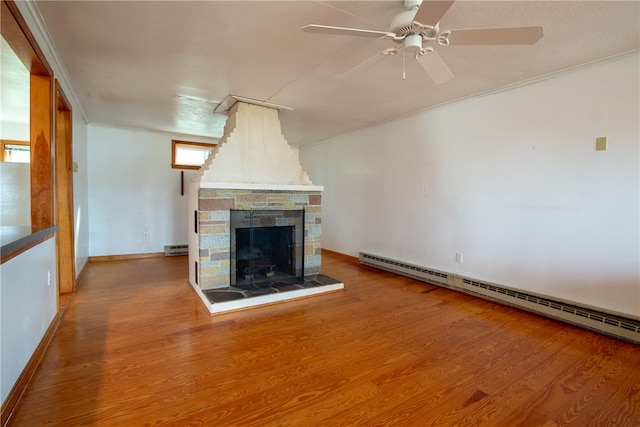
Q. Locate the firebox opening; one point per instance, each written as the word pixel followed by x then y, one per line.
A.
pixel 264 254
pixel 267 248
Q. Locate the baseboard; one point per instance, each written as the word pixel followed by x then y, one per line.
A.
pixel 596 319
pixel 29 370
pixel 126 257
pixel 83 272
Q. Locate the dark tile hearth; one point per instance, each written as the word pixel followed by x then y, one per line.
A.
pixel 232 293
pixel 223 295
pixel 283 287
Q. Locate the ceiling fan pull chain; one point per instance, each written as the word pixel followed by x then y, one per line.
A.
pixel 404 55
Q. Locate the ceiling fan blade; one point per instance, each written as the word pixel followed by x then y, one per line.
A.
pixel 431 12
pixel 435 67
pixel 496 36
pixel 344 31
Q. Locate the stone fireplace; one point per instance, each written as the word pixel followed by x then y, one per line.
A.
pixel 255 228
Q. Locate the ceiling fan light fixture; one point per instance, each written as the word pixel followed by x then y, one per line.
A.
pixel 413 43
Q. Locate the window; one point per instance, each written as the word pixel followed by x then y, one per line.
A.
pixel 15 151
pixel 189 155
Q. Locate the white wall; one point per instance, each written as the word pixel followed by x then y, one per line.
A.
pixel 15 194
pixel 26 309
pixel 133 190
pixel 511 180
pixel 14 131
pixel 80 190
pixel 14 95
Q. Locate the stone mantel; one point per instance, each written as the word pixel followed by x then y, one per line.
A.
pixel 268 187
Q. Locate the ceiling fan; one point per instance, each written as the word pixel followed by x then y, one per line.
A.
pixel 420 24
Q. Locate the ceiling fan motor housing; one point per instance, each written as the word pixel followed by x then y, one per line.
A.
pixel 402 25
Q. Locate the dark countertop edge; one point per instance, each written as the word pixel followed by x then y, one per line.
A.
pixel 16 247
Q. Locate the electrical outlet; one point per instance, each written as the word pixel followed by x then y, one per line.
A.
pixel 145 234
pixel 459 257
pixel 602 143
pixel 49 278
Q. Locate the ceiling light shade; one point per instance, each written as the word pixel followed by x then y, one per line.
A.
pixel 413 43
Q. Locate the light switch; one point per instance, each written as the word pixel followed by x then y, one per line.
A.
pixel 75 167
pixel 601 143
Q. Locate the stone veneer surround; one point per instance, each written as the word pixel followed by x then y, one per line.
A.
pixel 214 227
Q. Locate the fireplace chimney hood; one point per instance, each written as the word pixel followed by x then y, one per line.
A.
pixel 253 152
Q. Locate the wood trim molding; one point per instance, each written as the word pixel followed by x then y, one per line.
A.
pixel 5 142
pixel 83 272
pixel 109 258
pixel 63 193
pixel 41 151
pixel 177 142
pixel 27 373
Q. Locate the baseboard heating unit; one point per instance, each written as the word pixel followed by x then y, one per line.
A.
pixel 176 250
pixel 596 320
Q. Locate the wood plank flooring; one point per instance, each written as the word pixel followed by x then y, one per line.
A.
pixel 136 347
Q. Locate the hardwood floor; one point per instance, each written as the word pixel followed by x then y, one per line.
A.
pixel 137 347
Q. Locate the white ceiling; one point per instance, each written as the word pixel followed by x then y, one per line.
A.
pixel 165 65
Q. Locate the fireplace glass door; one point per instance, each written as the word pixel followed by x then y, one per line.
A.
pixel 267 248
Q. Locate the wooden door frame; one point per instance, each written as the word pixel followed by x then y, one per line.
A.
pixel 64 208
